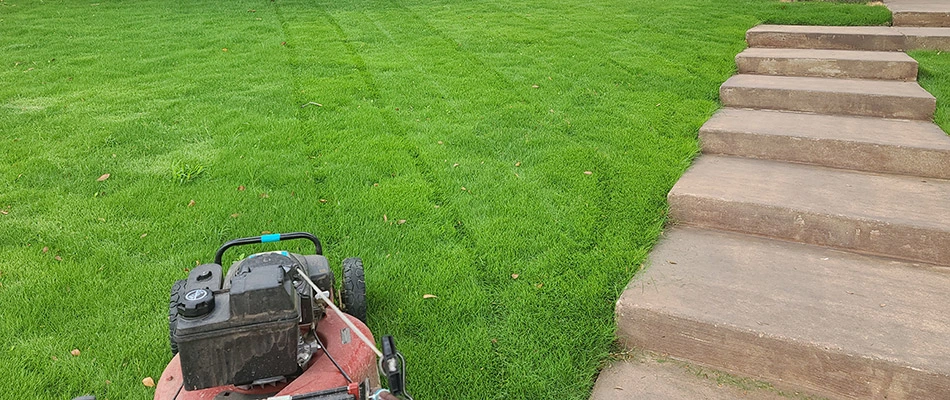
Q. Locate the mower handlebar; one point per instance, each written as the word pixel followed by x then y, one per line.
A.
pixel 275 237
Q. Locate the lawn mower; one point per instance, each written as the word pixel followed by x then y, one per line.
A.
pixel 267 329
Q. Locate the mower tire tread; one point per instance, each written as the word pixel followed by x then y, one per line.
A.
pixel 177 289
pixel 353 291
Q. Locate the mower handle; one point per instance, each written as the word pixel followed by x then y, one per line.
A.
pixel 274 237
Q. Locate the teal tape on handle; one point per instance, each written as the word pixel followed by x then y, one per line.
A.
pixel 274 237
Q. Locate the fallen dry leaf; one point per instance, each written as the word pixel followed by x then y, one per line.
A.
pixel 45 249
pixel 265 232
pixel 58 258
pixel 385 218
pixel 191 203
pixel 588 173
pixel 429 296
pixel 103 177
pixel 400 222
pixel 75 352
pixel 518 164
pixel 671 262
pixel 535 86
pixel 323 200
pixel 241 188
pixel 4 212
pixel 148 381
pixel 539 285
pixel 143 235
pixel 224 49
pixel 55 358
pixel 455 165
pixel 440 142
pixel 235 215
pixel 463 188
pixel 265 195
pixel 514 276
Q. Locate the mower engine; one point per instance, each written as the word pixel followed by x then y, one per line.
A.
pixel 255 326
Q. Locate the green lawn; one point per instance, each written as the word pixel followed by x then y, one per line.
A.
pixel 934 75
pixel 451 144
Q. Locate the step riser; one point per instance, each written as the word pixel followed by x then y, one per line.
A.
pixel 867 236
pixel 891 42
pixel 829 102
pixel 855 69
pixel 879 38
pixel 792 364
pixel 921 19
pixel 857 156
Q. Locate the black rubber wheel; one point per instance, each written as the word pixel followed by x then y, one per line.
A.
pixel 353 291
pixel 177 288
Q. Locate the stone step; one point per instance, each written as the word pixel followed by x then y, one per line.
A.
pixel 933 13
pixel 828 63
pixel 646 377
pixel 828 322
pixel 890 215
pixel 873 98
pixel 894 146
pixel 873 38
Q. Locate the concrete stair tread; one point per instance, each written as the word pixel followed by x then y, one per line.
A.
pixel 877 38
pixel 855 55
pixel 827 63
pixel 920 12
pixel 890 215
pixel 875 98
pixel 918 5
pixel 831 85
pixel 893 199
pixel 883 131
pixel 865 30
pixel 645 378
pixel 908 147
pixel 776 310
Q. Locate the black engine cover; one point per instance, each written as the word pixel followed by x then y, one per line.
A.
pixel 251 330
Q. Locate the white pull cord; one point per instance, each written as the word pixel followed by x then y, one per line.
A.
pixel 325 297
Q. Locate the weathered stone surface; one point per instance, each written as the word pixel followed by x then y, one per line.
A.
pixel 873 38
pixel 828 63
pixel 823 321
pixel 926 38
pixel 933 13
pixel 896 146
pixel 874 98
pixel 897 216
pixel 645 378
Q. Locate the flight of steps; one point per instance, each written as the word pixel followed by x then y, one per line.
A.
pixel 811 241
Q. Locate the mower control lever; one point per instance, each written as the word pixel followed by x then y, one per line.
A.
pixel 276 237
pixel 393 366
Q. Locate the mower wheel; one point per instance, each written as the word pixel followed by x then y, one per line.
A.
pixel 177 288
pixel 353 292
